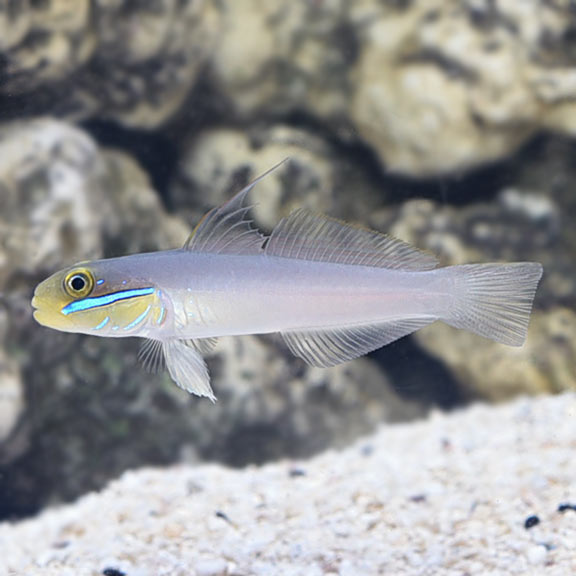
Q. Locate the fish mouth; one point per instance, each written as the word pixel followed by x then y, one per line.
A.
pixel 45 317
pixel 45 306
pixel 39 313
pixel 35 305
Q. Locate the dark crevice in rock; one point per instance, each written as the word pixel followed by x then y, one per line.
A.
pixel 154 150
pixel 479 185
pixel 416 375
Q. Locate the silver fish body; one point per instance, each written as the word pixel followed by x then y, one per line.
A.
pixel 333 291
pixel 230 295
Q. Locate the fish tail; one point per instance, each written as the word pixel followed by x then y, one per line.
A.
pixel 494 300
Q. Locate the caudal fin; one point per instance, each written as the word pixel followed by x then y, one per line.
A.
pixel 494 300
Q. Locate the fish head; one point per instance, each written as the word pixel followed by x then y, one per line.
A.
pixel 95 298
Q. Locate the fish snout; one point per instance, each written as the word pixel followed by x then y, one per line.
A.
pixel 39 297
pixel 45 304
pixel 34 304
pixel 36 308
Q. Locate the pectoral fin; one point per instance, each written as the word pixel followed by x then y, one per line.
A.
pixel 187 368
pixel 184 361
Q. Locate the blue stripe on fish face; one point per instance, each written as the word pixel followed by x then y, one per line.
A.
pixel 139 319
pixel 102 324
pixel 99 301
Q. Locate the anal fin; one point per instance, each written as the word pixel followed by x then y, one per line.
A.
pixel 203 345
pixel 325 347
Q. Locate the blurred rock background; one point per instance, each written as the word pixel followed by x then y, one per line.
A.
pixel 448 123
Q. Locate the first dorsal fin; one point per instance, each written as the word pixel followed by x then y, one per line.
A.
pixel 227 229
pixel 309 236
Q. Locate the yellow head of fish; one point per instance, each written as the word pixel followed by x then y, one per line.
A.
pixel 93 298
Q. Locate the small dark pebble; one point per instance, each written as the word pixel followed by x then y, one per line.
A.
pixel 531 521
pixel 113 572
pixel 296 472
pixel 224 517
pixel 565 507
pixel 418 498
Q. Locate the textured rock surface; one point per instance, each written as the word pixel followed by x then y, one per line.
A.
pixel 544 364
pixel 432 86
pixel 38 232
pixel 12 401
pixel 212 160
pixel 277 57
pixel 64 201
pixel 443 86
pixel 134 62
pixel 452 495
pixel 317 177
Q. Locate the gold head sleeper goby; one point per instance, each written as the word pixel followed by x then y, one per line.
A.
pixel 332 290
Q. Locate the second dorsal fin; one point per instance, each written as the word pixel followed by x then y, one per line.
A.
pixel 227 229
pixel 309 236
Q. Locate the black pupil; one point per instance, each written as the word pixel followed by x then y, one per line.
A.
pixel 78 283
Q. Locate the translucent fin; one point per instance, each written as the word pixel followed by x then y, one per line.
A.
pixel 203 345
pixel 187 368
pixel 494 300
pixel 332 346
pixel 309 236
pixel 227 229
pixel 151 356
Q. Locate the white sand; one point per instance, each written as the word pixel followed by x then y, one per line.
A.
pixel 444 497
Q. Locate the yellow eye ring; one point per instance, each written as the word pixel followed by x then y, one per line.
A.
pixel 79 283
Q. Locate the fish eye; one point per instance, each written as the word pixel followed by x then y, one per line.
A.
pixel 79 283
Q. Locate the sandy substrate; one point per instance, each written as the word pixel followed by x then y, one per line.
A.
pixel 449 496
